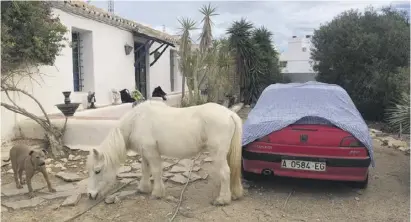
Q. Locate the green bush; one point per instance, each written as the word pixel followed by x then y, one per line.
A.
pixel 363 53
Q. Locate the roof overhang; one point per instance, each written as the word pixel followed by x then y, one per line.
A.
pixel 161 41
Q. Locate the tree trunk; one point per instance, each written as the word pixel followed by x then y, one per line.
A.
pixel 55 143
pixel 183 87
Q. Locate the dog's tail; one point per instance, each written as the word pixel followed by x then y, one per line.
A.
pixel 7 160
pixel 234 158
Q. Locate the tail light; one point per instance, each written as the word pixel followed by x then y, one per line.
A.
pixel 350 141
pixel 265 139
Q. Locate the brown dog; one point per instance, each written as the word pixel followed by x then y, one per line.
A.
pixel 31 161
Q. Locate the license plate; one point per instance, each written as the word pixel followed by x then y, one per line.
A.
pixel 303 165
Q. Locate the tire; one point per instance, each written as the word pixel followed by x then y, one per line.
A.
pixel 360 184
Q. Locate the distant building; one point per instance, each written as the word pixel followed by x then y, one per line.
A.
pixel 295 62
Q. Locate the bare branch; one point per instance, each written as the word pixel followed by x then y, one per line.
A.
pixel 12 88
pixel 24 112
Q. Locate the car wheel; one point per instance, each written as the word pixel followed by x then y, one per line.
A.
pixel 360 184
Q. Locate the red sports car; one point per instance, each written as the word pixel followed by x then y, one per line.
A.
pixel 312 147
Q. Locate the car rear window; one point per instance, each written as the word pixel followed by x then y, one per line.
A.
pixel 313 120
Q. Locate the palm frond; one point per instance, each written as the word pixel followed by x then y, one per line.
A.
pixel 399 113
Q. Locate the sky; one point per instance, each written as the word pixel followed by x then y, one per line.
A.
pixel 283 18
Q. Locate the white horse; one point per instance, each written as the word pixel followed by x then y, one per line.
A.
pixel 153 129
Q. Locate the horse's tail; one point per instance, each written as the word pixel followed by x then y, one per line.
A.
pixel 234 158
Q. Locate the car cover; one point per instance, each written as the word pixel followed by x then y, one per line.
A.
pixel 283 104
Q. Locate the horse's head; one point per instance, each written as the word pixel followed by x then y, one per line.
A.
pixel 158 92
pixel 101 174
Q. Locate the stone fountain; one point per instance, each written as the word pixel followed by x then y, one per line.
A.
pixel 67 108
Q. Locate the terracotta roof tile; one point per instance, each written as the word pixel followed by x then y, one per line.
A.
pixel 89 11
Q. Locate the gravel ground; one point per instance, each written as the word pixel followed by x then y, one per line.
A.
pixel 387 198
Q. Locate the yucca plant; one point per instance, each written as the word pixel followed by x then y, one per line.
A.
pixel 398 116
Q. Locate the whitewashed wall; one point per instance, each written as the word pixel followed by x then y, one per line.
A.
pixel 106 66
pixel 160 72
pixel 298 61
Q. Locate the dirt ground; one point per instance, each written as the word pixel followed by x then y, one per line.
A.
pixel 387 198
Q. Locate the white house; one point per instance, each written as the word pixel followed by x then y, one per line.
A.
pixel 295 62
pixel 108 52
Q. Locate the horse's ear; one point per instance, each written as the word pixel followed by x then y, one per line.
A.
pixel 96 154
pixel 44 151
pixel 31 152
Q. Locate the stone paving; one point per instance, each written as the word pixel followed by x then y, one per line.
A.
pixel 72 185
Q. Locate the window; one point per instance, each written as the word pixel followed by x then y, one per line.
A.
pixel 77 61
pixel 283 64
pixel 172 69
pixel 304 49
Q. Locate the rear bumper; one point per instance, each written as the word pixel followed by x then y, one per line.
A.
pixel 337 168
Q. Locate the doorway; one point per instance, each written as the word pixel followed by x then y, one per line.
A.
pixel 140 68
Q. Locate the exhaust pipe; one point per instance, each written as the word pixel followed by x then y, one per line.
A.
pixel 267 172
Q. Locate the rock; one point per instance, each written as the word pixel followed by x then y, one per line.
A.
pixel 49 170
pixel 178 178
pixel 71 157
pixel 179 169
pixel 57 195
pixel 131 153
pixel 124 169
pixel 10 171
pixel 136 166
pixel 21 204
pixel 11 190
pixel 48 160
pixel 69 177
pixel 357 198
pixel 193 176
pixel 166 165
pixel 77 158
pixel 247 106
pixel 4 163
pixel 81 163
pixel 63 168
pixel 3 209
pixel 116 197
pixel 404 149
pixel 186 163
pixel 208 160
pixel 172 199
pixel 58 165
pixel 64 160
pixel 196 169
pixel 72 200
pixel 73 166
pixel 392 142
pixel 167 174
pixel 129 175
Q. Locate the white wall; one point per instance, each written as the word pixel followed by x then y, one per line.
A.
pixel 106 66
pixel 298 61
pixel 160 71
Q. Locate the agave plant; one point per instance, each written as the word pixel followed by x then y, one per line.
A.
pixel 399 114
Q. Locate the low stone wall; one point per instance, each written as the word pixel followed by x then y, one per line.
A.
pixel 87 128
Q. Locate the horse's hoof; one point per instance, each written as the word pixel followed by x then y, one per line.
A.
pixel 220 202
pixel 144 189
pixel 153 197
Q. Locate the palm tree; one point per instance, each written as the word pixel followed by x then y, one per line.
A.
pixel 187 25
pixel 240 41
pixel 206 34
pixel 267 57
